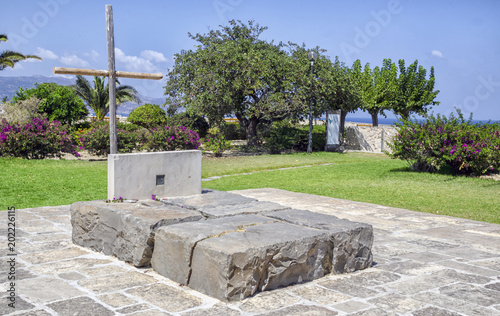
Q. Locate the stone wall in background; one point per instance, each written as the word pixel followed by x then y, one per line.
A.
pixel 366 138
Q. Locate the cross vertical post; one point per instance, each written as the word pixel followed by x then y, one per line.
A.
pixel 112 79
pixel 112 74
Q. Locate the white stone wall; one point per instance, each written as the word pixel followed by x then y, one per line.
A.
pixel 367 138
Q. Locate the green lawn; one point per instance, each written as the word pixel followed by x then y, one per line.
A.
pixel 33 183
pixel 361 177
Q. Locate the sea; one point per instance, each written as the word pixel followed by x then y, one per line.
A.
pixel 391 121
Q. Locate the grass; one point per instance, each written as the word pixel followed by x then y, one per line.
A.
pixel 380 180
pixel 246 164
pixel 360 177
pixel 34 183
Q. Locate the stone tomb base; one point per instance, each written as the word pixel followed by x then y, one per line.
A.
pixel 223 244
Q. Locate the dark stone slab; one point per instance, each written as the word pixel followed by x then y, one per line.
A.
pixel 244 208
pixel 223 244
pixel 209 199
pixel 124 230
pixel 234 257
pixel 352 241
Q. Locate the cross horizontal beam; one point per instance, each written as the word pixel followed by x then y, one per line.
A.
pixel 105 73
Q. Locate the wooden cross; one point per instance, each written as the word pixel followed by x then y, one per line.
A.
pixel 111 74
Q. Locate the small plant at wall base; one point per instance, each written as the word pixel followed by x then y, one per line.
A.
pixel 115 200
pixel 452 144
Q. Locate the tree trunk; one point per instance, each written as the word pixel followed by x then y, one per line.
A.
pixel 405 115
pixel 251 130
pixel 374 115
pixel 343 115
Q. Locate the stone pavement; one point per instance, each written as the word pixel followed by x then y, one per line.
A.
pixel 424 265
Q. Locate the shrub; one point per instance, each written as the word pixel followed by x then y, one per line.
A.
pixel 148 116
pixel 57 102
pixel 454 144
pixel 166 138
pixel 37 139
pixel 285 136
pixel 233 131
pixel 196 123
pixel 216 142
pixel 129 127
pixel 22 111
pixel 96 139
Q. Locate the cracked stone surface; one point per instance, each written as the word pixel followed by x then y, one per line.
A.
pixel 235 257
pixel 466 280
pixel 124 230
pixel 352 242
pixel 209 199
pixel 229 237
pixel 242 208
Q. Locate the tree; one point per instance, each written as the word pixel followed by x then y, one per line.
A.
pixel 233 72
pixel 384 85
pixel 9 58
pixel 414 93
pixel 378 87
pixel 97 97
pixel 57 102
pixel 338 90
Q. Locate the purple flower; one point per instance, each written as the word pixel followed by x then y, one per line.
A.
pixel 453 150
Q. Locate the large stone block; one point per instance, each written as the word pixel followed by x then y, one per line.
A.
pixel 352 241
pixel 238 209
pixel 124 230
pixel 234 257
pixel 209 199
pixel 165 174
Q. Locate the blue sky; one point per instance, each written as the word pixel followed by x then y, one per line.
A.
pixel 461 39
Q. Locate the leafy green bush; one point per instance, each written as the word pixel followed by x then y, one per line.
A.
pixel 148 116
pixel 165 138
pixel 285 136
pixel 59 103
pixel 233 131
pixel 318 137
pixel 196 123
pixel 216 142
pixel 129 127
pixel 452 144
pixel 96 139
pixel 37 139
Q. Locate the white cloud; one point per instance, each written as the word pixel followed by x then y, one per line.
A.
pixel 93 55
pixel 134 63
pixel 152 55
pixel 73 60
pixel 45 53
pixel 63 76
pixel 437 53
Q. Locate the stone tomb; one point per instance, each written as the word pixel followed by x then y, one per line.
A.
pixel 223 244
pixel 164 174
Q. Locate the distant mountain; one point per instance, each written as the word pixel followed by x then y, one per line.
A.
pixel 10 85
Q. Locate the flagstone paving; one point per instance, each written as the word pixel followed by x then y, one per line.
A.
pixel 424 264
